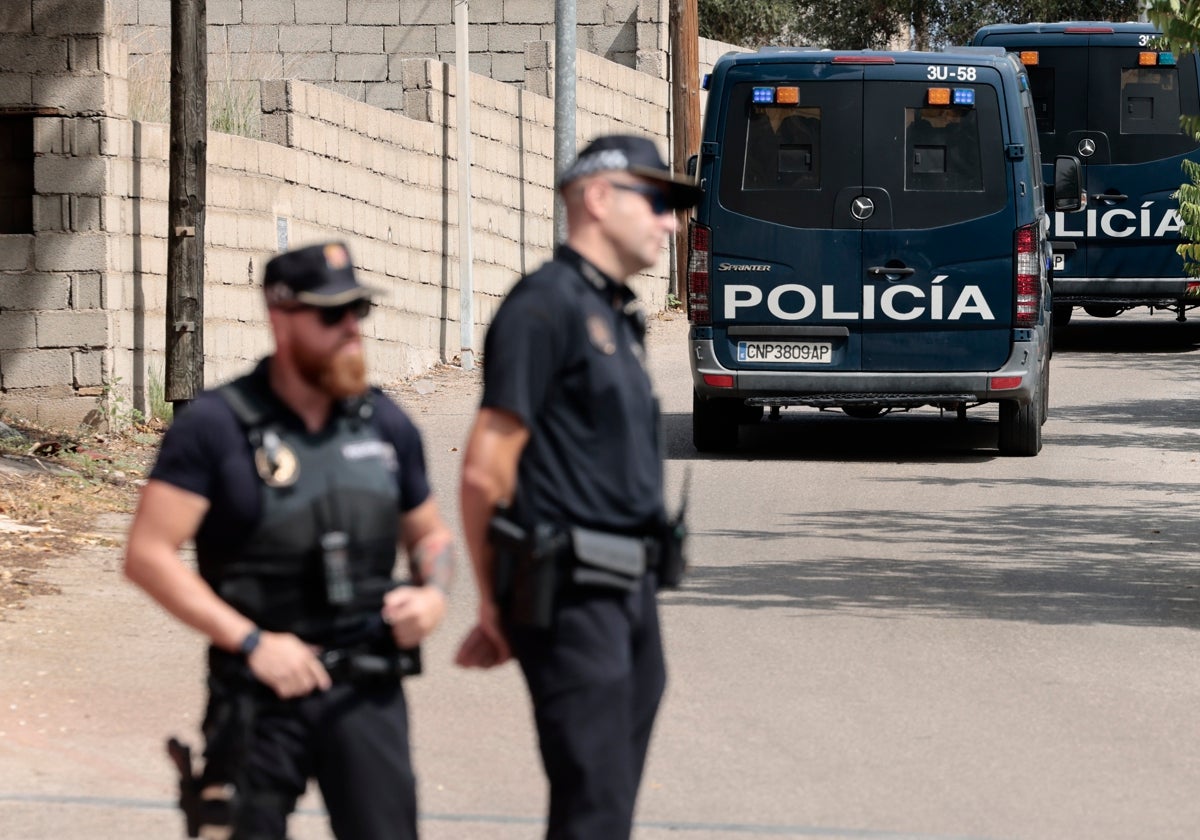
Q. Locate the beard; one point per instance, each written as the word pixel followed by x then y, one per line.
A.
pixel 342 375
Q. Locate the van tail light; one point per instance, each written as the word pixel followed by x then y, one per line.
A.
pixel 1029 276
pixel 699 289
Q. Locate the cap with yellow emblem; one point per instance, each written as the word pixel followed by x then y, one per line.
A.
pixel 319 275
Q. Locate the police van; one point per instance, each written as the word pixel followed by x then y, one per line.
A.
pixel 1103 92
pixel 872 238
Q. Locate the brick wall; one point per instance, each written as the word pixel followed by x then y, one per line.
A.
pixel 83 296
pixel 60 73
pixel 357 47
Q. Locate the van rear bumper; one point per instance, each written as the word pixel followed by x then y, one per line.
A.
pixel 1079 290
pixel 838 388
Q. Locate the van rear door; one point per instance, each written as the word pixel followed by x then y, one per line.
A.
pixel 938 244
pixel 1134 109
pixel 782 249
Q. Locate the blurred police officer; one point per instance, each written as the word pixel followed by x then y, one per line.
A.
pixel 297 482
pixel 562 497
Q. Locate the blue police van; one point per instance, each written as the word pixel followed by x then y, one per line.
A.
pixel 872 238
pixel 1103 92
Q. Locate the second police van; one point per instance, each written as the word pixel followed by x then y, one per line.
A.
pixel 872 237
pixel 1104 93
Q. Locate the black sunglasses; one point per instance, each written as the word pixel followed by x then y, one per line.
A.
pixel 331 316
pixel 659 203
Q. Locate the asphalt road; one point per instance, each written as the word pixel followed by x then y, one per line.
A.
pixel 889 631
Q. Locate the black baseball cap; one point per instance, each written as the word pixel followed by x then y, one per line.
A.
pixel 319 275
pixel 637 155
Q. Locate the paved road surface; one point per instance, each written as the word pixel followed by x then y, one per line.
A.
pixel 889 632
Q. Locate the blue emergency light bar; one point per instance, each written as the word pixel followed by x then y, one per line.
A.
pixel 763 95
pixel 964 96
pixel 1167 59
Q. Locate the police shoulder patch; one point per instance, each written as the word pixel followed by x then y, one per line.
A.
pixel 600 334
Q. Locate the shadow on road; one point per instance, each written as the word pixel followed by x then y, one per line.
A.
pixel 1077 563
pixel 1128 334
pixel 923 436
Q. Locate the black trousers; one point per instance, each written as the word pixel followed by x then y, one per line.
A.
pixel 596 678
pixel 352 740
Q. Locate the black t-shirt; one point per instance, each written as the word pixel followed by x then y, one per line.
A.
pixel 206 451
pixel 564 357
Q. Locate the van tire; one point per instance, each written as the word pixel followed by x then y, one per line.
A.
pixel 714 423
pixel 1062 314
pixel 1021 427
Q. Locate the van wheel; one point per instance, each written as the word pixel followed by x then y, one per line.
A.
pixel 714 423
pixel 1098 310
pixel 1021 427
pixel 1062 315
pixel 863 412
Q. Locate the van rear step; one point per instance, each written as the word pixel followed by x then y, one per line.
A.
pixel 884 400
pixel 1123 302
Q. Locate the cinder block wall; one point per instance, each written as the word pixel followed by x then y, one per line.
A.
pixel 357 47
pixel 82 294
pixel 332 167
pixel 57 308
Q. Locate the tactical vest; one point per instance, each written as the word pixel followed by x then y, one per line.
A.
pixel 337 486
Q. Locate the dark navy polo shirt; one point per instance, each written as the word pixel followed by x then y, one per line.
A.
pixel 206 451
pixel 562 355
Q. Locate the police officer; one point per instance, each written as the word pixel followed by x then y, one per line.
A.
pixel 566 448
pixel 297 482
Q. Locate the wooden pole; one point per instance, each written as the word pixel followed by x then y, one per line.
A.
pixel 685 111
pixel 184 373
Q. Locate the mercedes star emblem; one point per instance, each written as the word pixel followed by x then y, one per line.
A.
pixel 1087 147
pixel 862 208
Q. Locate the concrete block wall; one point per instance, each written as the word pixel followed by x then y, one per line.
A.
pixel 357 47
pixel 83 297
pixel 59 69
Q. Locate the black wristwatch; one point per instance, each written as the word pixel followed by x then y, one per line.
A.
pixel 250 642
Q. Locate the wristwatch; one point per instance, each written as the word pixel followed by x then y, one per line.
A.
pixel 250 642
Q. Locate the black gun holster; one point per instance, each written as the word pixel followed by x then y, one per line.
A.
pixel 531 569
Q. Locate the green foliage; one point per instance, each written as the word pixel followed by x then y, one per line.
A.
pixel 748 23
pixel 1180 25
pixel 156 394
pixel 932 24
pixel 115 408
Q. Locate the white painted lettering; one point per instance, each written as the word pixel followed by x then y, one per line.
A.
pixel 775 302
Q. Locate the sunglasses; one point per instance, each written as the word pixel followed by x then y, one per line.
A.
pixel 659 203
pixel 331 316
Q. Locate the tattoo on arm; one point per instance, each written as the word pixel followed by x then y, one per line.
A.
pixel 433 566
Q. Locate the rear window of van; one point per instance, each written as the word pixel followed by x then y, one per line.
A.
pixel 789 163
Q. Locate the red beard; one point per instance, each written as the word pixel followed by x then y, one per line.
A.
pixel 345 375
pixel 341 376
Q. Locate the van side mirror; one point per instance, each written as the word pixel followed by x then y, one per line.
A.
pixel 692 162
pixel 1068 184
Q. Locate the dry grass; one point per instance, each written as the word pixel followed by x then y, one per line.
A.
pixel 57 486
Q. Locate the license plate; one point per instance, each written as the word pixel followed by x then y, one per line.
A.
pixel 1060 262
pixel 785 352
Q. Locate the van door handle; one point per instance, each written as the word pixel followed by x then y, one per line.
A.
pixel 1113 197
pixel 884 270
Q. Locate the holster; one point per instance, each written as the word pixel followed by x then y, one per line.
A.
pixel 527 570
pixel 672 559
